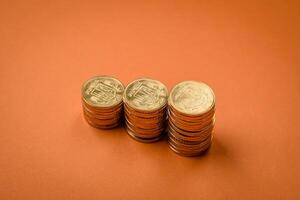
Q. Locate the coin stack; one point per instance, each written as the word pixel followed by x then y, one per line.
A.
pixel 102 102
pixel 191 117
pixel 145 105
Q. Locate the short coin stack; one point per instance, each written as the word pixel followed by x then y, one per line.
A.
pixel 191 118
pixel 145 105
pixel 102 102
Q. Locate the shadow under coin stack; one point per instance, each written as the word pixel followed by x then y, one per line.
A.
pixel 145 105
pixel 102 102
pixel 191 118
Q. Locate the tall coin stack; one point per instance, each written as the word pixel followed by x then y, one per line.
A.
pixel 102 102
pixel 145 105
pixel 191 118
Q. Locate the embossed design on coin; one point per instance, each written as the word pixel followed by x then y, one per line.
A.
pixel 102 91
pixel 145 94
pixel 191 97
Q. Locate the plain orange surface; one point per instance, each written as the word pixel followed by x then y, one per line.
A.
pixel 247 51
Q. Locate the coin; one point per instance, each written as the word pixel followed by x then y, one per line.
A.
pixel 145 95
pixel 143 139
pixel 145 106
pixel 102 101
pixel 102 92
pixel 191 118
pixel 192 98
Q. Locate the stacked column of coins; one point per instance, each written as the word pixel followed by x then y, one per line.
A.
pixel 102 102
pixel 191 118
pixel 145 105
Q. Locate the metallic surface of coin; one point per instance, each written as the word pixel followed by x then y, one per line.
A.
pixel 145 95
pixel 102 91
pixel 192 98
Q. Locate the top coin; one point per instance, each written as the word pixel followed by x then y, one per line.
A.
pixel 102 91
pixel 192 98
pixel 145 95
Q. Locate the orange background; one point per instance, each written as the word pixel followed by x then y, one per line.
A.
pixel 247 51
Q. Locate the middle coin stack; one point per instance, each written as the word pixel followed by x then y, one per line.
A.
pixel 145 105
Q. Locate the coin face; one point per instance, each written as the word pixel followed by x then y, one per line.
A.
pixel 145 95
pixel 102 91
pixel 192 97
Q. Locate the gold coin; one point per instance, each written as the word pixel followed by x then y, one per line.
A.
pixel 192 128
pixel 100 126
pixel 103 110
pixel 145 95
pixel 192 98
pixel 142 139
pixel 156 113
pixel 143 133
pixel 189 153
pixel 201 117
pixel 145 130
pixel 102 91
pixel 101 117
pixel 188 136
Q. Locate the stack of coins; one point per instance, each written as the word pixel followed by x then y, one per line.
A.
pixel 102 102
pixel 191 118
pixel 145 105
